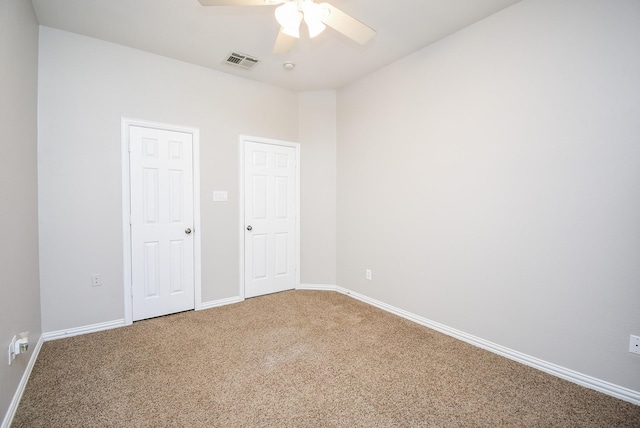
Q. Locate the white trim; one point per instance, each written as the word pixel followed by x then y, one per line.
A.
pixel 13 406
pixel 590 382
pixel 318 287
pixel 76 331
pixel 241 221
pixel 126 123
pixel 221 302
pixel 241 146
pixel 197 236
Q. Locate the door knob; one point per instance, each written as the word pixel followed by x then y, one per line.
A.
pixel 249 227
pixel 187 230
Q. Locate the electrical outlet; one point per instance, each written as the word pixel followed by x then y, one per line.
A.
pixel 96 280
pixel 367 274
pixel 634 344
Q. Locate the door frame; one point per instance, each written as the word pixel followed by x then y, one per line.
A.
pixel 126 124
pixel 241 151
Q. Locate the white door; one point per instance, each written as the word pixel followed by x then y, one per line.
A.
pixel 162 247
pixel 271 206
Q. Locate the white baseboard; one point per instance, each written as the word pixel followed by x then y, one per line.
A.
pixel 605 387
pixel 75 331
pixel 320 287
pixel 13 407
pixel 220 302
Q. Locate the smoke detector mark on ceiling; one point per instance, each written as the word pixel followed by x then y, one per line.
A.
pixel 241 60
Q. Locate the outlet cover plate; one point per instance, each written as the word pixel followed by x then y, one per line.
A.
pixel 12 345
pixel 634 344
pixel 96 280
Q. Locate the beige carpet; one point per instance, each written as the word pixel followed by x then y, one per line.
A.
pixel 296 359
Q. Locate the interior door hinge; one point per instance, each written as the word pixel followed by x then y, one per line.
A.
pixel 129 146
pixel 130 222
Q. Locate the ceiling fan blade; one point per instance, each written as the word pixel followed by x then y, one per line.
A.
pixel 346 24
pixel 240 2
pixel 284 42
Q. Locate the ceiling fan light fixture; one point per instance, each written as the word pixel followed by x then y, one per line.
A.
pixel 313 14
pixel 289 17
pixel 293 31
pixel 315 28
pixel 317 16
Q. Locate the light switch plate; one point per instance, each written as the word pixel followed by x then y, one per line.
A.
pixel 219 196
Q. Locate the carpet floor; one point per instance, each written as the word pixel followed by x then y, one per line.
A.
pixel 296 359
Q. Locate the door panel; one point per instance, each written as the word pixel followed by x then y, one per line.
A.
pixel 259 253
pixel 151 266
pixel 161 177
pixel 270 210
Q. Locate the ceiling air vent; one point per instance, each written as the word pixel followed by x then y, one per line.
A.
pixel 241 60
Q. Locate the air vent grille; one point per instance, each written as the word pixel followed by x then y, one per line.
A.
pixel 241 60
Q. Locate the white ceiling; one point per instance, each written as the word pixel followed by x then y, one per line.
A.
pixel 187 31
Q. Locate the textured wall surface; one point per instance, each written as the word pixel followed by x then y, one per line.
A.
pixel 491 181
pixel 20 302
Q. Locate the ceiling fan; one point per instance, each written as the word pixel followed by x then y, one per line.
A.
pixel 317 16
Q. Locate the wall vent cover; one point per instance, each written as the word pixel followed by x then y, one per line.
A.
pixel 241 60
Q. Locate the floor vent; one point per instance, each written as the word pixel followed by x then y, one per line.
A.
pixel 241 60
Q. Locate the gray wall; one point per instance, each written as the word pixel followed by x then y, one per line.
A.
pixel 20 302
pixel 491 181
pixel 86 86
pixel 317 135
